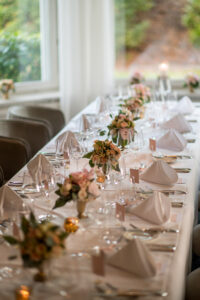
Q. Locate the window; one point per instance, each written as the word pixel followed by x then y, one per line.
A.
pixel 151 32
pixel 28 47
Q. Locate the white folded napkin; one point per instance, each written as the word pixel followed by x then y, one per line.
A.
pixel 134 258
pixel 9 201
pixel 172 140
pixel 184 106
pixel 85 124
pixel 156 209
pixel 179 123
pixel 40 169
pixel 64 141
pixel 101 104
pixel 160 172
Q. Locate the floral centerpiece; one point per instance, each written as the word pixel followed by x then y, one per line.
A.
pixel 5 86
pixel 41 242
pixel 142 92
pixel 134 105
pixel 121 128
pixel 104 155
pixel 79 187
pixel 192 82
pixel 136 78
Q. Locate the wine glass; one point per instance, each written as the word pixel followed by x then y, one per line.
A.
pixel 76 153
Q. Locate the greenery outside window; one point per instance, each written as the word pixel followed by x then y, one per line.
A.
pixel 28 43
pixel 148 33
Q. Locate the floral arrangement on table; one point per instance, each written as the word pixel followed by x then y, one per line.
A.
pixel 41 242
pixel 121 128
pixel 134 105
pixel 136 78
pixel 104 155
pixel 5 86
pixel 192 82
pixel 142 92
pixel 79 187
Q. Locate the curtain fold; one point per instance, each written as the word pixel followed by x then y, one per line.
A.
pixel 86 52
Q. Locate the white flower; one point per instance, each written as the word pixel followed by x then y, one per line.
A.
pixel 94 189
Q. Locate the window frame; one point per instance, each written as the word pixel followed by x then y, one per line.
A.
pixel 49 52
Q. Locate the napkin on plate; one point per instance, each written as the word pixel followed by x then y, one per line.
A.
pixel 9 200
pixel 102 104
pixel 172 140
pixel 184 106
pixel 64 141
pixel 179 123
pixel 134 258
pixel 40 169
pixel 156 209
pixel 160 172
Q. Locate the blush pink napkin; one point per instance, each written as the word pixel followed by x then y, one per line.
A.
pixel 172 140
pixel 179 123
pixel 64 141
pixel 102 104
pixel 40 168
pixel 9 200
pixel 160 172
pixel 134 258
pixel 156 209
pixel 184 106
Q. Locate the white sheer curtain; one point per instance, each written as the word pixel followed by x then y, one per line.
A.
pixel 86 51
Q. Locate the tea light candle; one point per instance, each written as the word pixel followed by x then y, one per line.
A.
pixel 163 68
pixel 71 224
pixel 23 293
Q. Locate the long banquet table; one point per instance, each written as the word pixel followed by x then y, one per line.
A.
pixel 173 267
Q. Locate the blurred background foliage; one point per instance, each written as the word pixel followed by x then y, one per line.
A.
pixel 20 40
pixel 131 27
pixel 130 30
pixel 191 19
pixel 20 32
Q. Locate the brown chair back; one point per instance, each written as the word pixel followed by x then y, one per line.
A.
pixel 36 134
pixel 13 155
pixel 53 118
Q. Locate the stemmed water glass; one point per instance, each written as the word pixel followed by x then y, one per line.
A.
pixel 76 153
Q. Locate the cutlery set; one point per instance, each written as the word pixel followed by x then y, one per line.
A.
pixel 182 170
pixel 191 140
pixel 166 192
pixel 162 247
pixel 107 290
pixel 155 229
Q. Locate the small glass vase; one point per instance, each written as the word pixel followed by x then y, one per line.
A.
pixel 41 275
pixel 125 137
pixel 102 173
pixel 191 89
pixel 80 206
pixel 5 95
pixel 142 112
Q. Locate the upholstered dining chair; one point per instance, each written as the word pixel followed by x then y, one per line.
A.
pixel 14 154
pixel 1 176
pixel 36 134
pixel 53 118
pixel 193 279
pixel 196 240
pixel 193 286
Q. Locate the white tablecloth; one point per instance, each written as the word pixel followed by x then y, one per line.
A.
pixel 173 267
